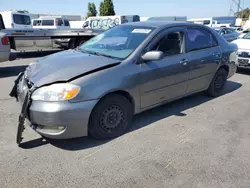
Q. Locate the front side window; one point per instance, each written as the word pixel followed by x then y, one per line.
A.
pixel 59 22
pixel 118 42
pixel 170 44
pixel 48 22
pixel 199 39
pixel 21 19
pixel 66 23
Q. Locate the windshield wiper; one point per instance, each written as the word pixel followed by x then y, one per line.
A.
pixel 98 54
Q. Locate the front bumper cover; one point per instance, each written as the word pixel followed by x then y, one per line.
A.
pixel 45 117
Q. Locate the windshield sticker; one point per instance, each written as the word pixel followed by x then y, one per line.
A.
pixel 146 31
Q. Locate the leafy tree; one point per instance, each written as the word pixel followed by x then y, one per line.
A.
pixel 91 10
pixel 107 8
pixel 101 9
pixel 244 14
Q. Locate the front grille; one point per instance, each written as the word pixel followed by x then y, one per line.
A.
pixel 243 62
pixel 244 54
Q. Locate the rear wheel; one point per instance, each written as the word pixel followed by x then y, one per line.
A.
pixel 111 117
pixel 218 83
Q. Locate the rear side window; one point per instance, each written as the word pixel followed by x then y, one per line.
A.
pixel 21 19
pixel 66 23
pixel 48 22
pixel 198 39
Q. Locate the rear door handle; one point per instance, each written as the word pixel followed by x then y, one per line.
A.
pixel 184 62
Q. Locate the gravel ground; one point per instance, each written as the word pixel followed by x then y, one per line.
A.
pixel 194 142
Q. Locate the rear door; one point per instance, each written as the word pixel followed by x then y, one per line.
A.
pixel 204 55
pixel 165 79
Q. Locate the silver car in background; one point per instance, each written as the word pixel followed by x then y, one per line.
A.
pixel 128 69
pixel 4 47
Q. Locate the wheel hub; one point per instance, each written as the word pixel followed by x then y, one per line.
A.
pixel 111 117
pixel 218 82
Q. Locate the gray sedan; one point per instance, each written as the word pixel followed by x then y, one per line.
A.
pixel 128 69
pixel 228 33
pixel 4 47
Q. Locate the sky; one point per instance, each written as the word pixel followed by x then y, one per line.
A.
pixel 147 8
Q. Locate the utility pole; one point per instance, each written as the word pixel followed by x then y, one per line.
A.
pixel 235 7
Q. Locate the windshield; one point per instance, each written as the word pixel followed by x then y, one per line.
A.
pixel 118 42
pixel 21 19
pixel 247 36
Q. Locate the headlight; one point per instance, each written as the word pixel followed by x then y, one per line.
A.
pixel 56 92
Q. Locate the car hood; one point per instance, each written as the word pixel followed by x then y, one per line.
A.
pixel 243 43
pixel 64 66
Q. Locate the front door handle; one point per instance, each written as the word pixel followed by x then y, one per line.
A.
pixel 184 62
pixel 216 54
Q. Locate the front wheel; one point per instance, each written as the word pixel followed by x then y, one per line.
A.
pixel 111 117
pixel 218 83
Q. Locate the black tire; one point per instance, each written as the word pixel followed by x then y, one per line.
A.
pixel 72 44
pixel 218 83
pixel 80 41
pixel 111 117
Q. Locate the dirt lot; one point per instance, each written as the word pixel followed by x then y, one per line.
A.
pixel 194 142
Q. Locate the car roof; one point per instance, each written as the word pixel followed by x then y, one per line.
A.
pixel 162 24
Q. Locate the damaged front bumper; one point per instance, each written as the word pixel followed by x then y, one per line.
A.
pixel 56 120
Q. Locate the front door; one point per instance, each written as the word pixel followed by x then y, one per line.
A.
pixel 204 55
pixel 165 79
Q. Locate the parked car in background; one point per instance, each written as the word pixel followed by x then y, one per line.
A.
pixel 4 47
pixel 15 19
pixel 244 51
pixel 48 22
pixel 123 71
pixel 228 33
pixel 210 22
pixel 237 29
pixel 243 33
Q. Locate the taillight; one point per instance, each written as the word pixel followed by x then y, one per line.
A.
pixel 5 40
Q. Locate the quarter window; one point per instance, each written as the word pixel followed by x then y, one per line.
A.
pixel 199 39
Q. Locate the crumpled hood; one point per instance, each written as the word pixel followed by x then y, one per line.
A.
pixel 243 44
pixel 64 66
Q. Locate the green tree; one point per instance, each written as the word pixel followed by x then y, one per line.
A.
pixel 107 8
pixel 91 10
pixel 244 14
pixel 101 9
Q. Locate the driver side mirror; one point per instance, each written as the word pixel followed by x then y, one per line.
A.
pixel 153 56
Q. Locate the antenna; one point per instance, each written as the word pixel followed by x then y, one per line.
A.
pixel 235 7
